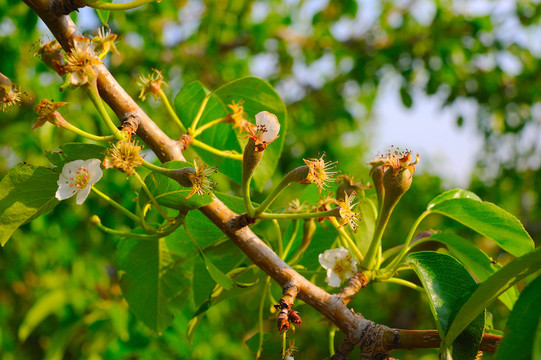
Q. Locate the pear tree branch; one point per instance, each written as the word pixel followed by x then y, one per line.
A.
pixel 376 340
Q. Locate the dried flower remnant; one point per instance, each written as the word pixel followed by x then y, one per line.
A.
pixel 151 84
pixel 80 63
pixel 104 42
pixel 238 118
pixel 319 172
pixel 201 183
pixel 77 177
pixel 268 128
pixel 47 113
pixel 124 156
pixel 10 93
pixel 50 53
pixel 396 160
pixel 340 265
pixel 346 211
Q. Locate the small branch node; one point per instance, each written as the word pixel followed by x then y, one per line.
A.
pixel 372 344
pixel 185 140
pixel 240 221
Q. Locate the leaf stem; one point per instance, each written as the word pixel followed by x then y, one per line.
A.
pixel 223 153
pixel 349 242
pixel 199 114
pixel 391 268
pixel 332 332
pixel 260 317
pixel 370 260
pixel 152 198
pixel 102 5
pixel 107 230
pixel 66 125
pixel 93 94
pixel 171 111
pixel 320 214
pixel 273 195
pixel 158 169
pixel 284 338
pixel 208 125
pixel 117 205
pixel 296 225
pixel 279 235
pixel 404 283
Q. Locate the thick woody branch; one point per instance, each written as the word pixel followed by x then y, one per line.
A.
pixel 373 338
pixel 417 339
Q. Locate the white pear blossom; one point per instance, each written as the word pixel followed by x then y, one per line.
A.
pixel 340 265
pixel 77 177
pixel 268 127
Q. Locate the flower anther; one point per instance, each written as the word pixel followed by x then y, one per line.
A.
pixel 319 172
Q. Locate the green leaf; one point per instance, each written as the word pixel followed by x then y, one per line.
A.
pixel 45 306
pixel 221 136
pixel 155 274
pixel 26 192
pixel 521 327
pixel 170 193
pixel 493 287
pixel 475 260
pixel 202 229
pixel 258 95
pixel 216 274
pixel 449 285
pixel 488 220
pixel 75 151
pixel 103 15
pixel 453 194
pixel 536 348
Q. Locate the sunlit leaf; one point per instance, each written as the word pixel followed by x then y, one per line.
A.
pixel 475 260
pixel 26 192
pixel 449 286
pixel 493 287
pixel 488 220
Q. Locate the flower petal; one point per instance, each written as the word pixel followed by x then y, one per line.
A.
pixel 65 191
pixel 94 170
pixel 83 194
pixel 333 279
pixel 269 122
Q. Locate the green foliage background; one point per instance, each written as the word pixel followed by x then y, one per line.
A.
pixel 65 268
